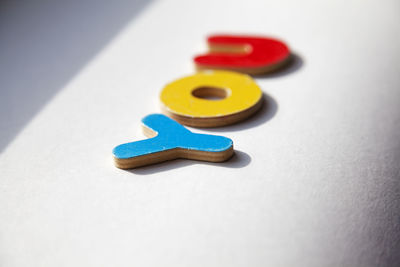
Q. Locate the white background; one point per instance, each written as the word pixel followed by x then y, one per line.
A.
pixel 315 180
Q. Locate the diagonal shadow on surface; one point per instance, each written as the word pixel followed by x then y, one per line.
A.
pixel 44 45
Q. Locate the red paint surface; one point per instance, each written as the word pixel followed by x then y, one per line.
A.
pixel 263 52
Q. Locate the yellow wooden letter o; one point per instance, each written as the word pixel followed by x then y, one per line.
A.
pixel 186 100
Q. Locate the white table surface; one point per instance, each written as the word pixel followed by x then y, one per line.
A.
pixel 315 179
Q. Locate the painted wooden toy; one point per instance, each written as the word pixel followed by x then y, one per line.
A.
pixel 253 55
pixel 170 140
pixel 206 99
pixel 186 100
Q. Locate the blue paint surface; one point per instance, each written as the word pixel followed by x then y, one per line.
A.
pixel 170 135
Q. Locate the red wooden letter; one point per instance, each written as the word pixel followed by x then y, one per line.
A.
pixel 247 54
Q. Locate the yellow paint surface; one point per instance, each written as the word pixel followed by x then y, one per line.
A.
pixel 242 94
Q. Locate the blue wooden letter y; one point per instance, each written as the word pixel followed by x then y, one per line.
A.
pixel 170 140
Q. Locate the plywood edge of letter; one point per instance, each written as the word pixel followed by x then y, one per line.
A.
pixel 176 153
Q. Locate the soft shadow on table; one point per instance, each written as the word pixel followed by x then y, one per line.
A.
pixel 44 45
pixel 238 160
pixel 295 63
pixel 266 112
